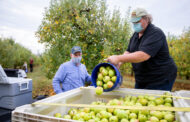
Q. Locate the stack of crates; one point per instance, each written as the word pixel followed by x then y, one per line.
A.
pixel 76 96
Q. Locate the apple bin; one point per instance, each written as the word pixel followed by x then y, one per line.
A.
pixel 41 112
pixel 116 84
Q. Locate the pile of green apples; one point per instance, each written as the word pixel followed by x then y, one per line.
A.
pixel 106 77
pixel 123 115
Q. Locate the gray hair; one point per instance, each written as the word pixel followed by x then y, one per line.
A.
pixel 149 17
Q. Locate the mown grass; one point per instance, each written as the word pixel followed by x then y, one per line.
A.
pixel 43 85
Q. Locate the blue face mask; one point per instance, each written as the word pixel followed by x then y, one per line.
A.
pixel 137 27
pixel 76 60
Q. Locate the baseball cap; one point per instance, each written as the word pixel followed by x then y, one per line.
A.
pixel 137 14
pixel 76 49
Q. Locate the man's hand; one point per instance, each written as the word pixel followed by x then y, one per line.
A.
pixel 113 59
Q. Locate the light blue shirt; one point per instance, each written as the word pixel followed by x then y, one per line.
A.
pixel 70 76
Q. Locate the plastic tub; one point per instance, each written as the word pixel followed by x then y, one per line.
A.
pixel 118 81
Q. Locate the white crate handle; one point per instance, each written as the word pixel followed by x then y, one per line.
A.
pixel 25 88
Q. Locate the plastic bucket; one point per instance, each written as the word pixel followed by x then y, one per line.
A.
pixel 118 81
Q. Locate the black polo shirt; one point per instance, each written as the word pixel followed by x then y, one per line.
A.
pixel 156 69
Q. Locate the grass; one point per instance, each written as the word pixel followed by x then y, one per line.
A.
pixel 43 85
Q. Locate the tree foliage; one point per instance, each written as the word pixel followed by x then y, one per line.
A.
pixel 180 51
pixel 13 55
pixel 86 23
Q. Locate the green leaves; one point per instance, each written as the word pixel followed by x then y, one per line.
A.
pixel 13 54
pixel 86 23
pixel 180 51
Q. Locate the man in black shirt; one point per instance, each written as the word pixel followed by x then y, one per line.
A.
pixel 148 52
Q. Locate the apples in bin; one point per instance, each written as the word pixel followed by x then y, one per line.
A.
pixel 106 77
pixel 96 114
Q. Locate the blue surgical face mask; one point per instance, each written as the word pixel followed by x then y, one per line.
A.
pixel 76 60
pixel 137 27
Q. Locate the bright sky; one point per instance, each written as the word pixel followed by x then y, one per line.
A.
pixel 20 19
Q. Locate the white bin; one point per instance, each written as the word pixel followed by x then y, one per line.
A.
pixel 42 113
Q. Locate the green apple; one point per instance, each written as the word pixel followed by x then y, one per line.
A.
pixel 86 110
pixel 86 116
pixel 82 114
pixel 76 116
pixel 67 116
pixel 92 113
pixel 99 83
pixel 109 84
pixel 101 69
pixel 81 119
pixel 116 111
pixel 169 117
pixel 98 115
pixel 104 72
pixel 140 96
pixel 72 112
pixel 104 114
pixel 113 119
pixel 105 86
pixel 168 100
pixel 106 79
pixel 154 119
pixel 111 72
pixel 159 101
pixel 143 101
pixel 168 104
pixel 113 78
pixel 151 98
pixel 151 103
pixel 100 76
pixel 132 116
pixel 127 98
pixel 134 98
pixel 142 118
pixel 168 94
pixel 58 115
pixel 138 104
pixel 158 114
pixel 134 111
pixel 99 90
pixel 108 68
pixel 145 112
pixel 110 110
pixel 121 114
pixel 109 114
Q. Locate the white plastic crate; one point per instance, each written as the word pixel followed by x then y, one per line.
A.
pixel 183 116
pixel 42 113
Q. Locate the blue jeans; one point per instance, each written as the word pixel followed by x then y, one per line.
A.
pixel 166 84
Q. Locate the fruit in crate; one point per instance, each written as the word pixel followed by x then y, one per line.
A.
pixel 106 77
pixel 97 114
pixel 58 115
pixel 99 90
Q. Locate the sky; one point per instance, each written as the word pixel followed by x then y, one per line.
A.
pixel 20 19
